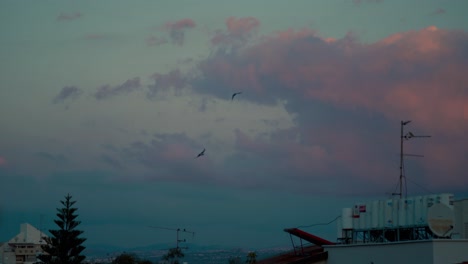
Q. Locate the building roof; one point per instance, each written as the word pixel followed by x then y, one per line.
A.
pixel 28 234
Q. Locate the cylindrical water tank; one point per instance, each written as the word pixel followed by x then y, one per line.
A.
pixel 409 211
pixel 401 212
pixel 418 208
pixel 396 206
pixel 356 216
pixel 381 214
pixel 362 216
pixel 445 198
pixel 347 218
pixel 389 213
pixel 375 214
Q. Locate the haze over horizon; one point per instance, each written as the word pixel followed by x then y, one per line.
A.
pixel 111 101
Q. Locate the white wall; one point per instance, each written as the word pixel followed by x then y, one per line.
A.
pixel 461 219
pixel 390 253
pixel 432 251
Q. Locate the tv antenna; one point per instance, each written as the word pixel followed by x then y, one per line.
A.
pixel 41 216
pixel 403 137
pixel 178 240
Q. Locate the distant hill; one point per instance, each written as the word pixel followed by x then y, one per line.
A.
pixel 202 254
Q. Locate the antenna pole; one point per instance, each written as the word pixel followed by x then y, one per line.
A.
pixel 402 137
pixel 401 158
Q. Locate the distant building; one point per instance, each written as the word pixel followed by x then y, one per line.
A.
pixel 24 247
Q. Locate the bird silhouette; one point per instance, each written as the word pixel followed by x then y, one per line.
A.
pixel 201 153
pixel 234 95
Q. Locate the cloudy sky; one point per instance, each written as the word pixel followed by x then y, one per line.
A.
pixel 111 101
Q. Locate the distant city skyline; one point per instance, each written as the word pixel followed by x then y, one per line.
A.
pixel 112 101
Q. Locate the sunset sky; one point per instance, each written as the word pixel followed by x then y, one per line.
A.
pixel 112 100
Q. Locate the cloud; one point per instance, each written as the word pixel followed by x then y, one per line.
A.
pixel 3 161
pixel 69 16
pixel 439 11
pixel 67 93
pixel 346 99
pixel 155 41
pixel 239 32
pixel 169 157
pixel 163 82
pixel 417 75
pixel 57 159
pixel 177 29
pixel 107 91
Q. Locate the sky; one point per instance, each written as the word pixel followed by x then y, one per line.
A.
pixel 111 101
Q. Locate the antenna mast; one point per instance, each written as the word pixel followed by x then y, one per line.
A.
pixel 406 136
pixel 177 234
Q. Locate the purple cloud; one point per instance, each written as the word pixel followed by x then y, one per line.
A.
pixel 439 11
pixel 163 82
pixel 177 30
pixel 239 32
pixel 170 157
pixel 107 91
pixel 67 93
pixel 155 41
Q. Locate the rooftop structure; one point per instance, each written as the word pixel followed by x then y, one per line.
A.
pixel 24 247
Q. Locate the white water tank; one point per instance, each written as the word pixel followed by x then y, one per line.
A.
pixel 418 208
pixel 396 206
pixel 356 216
pixel 375 214
pixel 368 213
pixel 427 201
pixel 445 198
pixel 347 218
pixel 410 211
pixel 389 213
pixel 362 216
pixel 401 212
pixel 381 214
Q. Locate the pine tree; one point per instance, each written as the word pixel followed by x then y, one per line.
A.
pixel 65 244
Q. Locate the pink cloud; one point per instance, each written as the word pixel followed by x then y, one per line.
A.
pixel 69 17
pixel 177 29
pixel 416 75
pixel 239 31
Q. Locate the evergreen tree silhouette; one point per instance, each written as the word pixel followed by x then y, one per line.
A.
pixel 65 244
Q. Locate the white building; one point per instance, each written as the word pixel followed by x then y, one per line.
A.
pixel 24 247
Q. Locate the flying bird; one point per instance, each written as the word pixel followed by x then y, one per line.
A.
pixel 201 153
pixel 234 95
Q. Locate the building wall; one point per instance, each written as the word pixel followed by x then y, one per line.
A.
pixel 461 219
pixel 390 253
pixel 413 252
pixel 22 248
pixel 450 251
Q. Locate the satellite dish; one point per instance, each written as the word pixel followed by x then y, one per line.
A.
pixel 440 219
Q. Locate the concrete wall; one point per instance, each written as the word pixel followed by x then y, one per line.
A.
pixel 461 219
pixel 28 235
pixel 390 253
pixel 413 252
pixel 450 251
